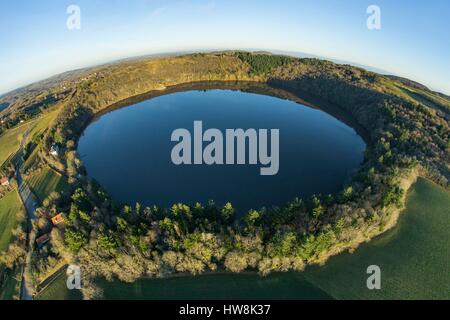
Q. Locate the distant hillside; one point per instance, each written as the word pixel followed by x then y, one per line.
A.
pixel 408 82
pixel 416 85
pixel 20 97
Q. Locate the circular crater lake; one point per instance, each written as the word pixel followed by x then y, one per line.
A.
pixel 128 150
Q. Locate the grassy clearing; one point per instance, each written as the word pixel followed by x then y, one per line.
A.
pixel 43 123
pixel 10 204
pixel 10 142
pixel 9 288
pixel 45 181
pixel 282 286
pixel 58 291
pixel 429 99
pixel 414 257
pixel 218 286
pixel 31 160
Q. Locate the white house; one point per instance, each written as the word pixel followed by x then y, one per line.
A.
pixel 54 150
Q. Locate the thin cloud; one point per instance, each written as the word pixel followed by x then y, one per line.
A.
pixel 208 6
pixel 157 12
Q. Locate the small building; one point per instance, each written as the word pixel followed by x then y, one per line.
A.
pixel 4 182
pixel 58 219
pixel 42 240
pixel 54 150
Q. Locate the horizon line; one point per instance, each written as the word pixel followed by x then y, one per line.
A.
pixel 212 50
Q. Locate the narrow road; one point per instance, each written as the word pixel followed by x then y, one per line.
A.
pixel 30 207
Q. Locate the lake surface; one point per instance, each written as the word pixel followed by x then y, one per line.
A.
pixel 128 150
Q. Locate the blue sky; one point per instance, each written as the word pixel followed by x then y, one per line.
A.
pixel 414 40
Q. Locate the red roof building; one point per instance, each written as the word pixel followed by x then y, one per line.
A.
pixel 42 240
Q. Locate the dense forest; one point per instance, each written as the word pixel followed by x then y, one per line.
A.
pixel 107 239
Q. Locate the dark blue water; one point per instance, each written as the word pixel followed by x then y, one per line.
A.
pixel 128 151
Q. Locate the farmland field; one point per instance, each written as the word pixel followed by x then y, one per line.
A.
pixel 8 289
pixel 414 257
pixel 276 286
pixel 58 291
pixel 44 122
pixel 10 142
pixel 219 286
pixel 10 204
pixel 45 181
pixel 31 160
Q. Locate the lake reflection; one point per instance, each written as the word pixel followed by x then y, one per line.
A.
pixel 128 151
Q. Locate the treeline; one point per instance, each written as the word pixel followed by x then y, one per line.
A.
pixel 263 64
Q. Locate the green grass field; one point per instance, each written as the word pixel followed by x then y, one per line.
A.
pixel 31 160
pixel 414 258
pixel 9 288
pixel 10 142
pixel 279 286
pixel 10 204
pixel 220 286
pixel 44 122
pixel 45 181
pixel 58 291
pixel 41 125
pixel 417 95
